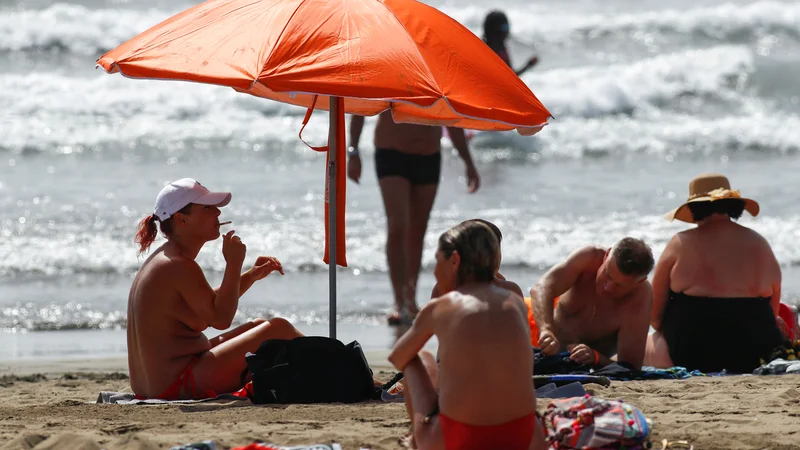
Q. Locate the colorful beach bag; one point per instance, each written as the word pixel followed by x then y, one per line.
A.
pixel 593 423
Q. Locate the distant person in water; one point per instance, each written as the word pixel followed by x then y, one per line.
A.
pixel 171 303
pixel 716 287
pixel 499 279
pixel 496 31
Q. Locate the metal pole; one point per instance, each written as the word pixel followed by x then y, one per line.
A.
pixel 333 133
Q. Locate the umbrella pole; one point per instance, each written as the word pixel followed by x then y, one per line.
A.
pixel 333 137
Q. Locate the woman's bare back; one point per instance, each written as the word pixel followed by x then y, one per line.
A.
pixel 724 259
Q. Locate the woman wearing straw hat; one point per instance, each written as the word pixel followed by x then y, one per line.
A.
pixel 716 287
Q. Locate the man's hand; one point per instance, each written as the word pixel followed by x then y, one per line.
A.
pixel 354 168
pixel 548 343
pixel 473 179
pixel 532 62
pixel 233 249
pixel 264 266
pixel 582 354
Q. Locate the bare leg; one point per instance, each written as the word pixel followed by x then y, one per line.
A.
pixel 395 192
pixel 420 205
pixel 216 340
pixel 656 353
pixel 220 368
pixel 421 396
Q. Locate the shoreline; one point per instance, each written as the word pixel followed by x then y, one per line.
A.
pixel 377 360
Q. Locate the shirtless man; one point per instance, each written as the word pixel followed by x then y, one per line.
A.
pixel 603 305
pixel 171 303
pixel 481 395
pixel 408 163
pixel 499 279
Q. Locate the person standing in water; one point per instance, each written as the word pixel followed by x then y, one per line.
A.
pixel 496 31
pixel 408 164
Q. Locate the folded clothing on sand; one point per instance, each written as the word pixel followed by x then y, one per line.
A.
pixel 129 398
pixel 779 367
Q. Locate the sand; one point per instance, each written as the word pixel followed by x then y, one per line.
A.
pixel 48 405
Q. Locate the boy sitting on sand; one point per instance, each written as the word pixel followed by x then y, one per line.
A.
pixel 481 395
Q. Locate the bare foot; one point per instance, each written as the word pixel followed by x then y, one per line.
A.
pixel 395 318
pixel 408 441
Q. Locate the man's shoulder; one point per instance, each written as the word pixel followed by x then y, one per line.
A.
pixel 589 253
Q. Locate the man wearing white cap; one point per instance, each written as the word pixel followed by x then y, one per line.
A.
pixel 171 303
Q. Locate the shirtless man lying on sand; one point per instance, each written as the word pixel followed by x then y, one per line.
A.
pixel 595 305
pixel 481 395
pixel 171 303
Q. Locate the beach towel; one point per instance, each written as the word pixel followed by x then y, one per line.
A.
pixel 593 423
pixel 616 371
pixel 129 398
pixel 624 372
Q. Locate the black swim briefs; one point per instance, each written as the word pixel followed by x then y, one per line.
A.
pixel 418 169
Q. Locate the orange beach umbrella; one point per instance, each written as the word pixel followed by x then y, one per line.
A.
pixel 345 56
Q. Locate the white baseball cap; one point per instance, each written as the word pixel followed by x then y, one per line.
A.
pixel 176 195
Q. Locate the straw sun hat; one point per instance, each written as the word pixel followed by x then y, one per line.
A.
pixel 709 187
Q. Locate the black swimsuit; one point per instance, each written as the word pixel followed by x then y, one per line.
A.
pixel 418 169
pixel 711 334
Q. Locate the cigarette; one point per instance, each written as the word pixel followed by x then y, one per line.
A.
pixel 224 223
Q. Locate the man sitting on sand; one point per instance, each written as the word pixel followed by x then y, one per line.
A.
pixel 481 394
pixel 499 279
pixel 595 304
pixel 171 303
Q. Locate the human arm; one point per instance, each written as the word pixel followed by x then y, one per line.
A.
pixel 558 280
pixel 632 336
pixel 263 266
pixel 459 140
pixel 354 158
pixel 662 281
pixel 216 307
pixel 529 65
pixel 776 276
pixel 410 343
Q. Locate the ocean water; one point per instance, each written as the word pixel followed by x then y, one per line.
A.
pixel 644 95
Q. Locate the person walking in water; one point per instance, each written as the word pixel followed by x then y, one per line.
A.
pixel 496 31
pixel 408 163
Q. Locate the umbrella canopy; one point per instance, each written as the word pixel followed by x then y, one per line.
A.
pixel 377 54
pixel 347 56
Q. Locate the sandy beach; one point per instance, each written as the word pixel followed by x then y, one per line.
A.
pixel 49 405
